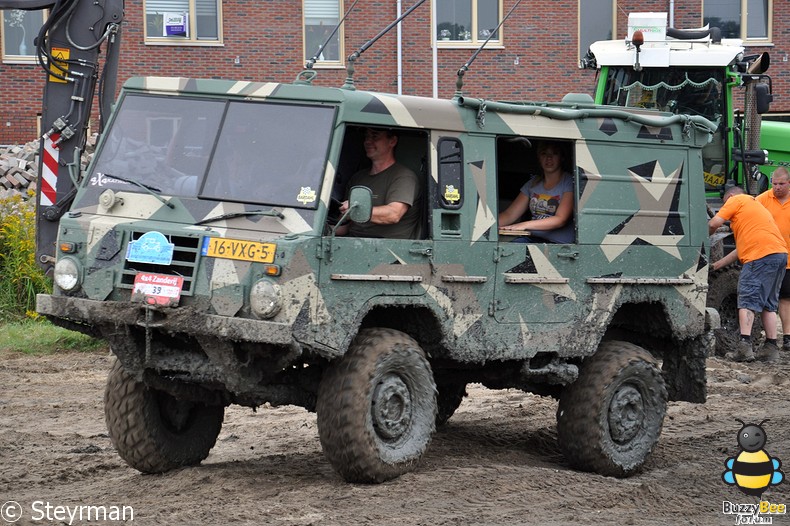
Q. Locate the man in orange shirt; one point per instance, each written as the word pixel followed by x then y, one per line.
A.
pixel 763 252
pixel 777 201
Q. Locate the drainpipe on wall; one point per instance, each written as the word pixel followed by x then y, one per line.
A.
pixel 434 59
pixel 400 51
pixel 671 13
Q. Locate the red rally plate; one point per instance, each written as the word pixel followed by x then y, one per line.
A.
pixel 157 289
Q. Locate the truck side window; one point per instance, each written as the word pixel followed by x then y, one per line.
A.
pixel 451 180
pixel 535 185
pixel 404 183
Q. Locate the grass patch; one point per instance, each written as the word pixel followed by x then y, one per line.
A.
pixel 41 337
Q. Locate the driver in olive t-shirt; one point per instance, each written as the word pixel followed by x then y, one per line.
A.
pixel 395 191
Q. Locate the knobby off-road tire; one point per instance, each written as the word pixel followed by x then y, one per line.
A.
pixel 610 418
pixel 152 431
pixel 376 407
pixel 448 398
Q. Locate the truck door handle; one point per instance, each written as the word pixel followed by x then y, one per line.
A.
pixel 428 252
pixel 570 255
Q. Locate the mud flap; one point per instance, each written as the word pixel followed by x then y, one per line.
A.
pixel 684 371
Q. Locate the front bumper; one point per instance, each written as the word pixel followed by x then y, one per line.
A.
pixel 185 320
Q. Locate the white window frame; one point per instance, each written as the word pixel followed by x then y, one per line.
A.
pixel 583 47
pixel 476 40
pixel 191 39
pixel 308 53
pixel 744 21
pixel 16 58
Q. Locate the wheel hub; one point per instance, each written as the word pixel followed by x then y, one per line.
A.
pixel 391 407
pixel 626 414
pixel 175 413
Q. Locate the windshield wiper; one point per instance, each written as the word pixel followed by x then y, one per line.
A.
pixel 230 215
pixel 156 192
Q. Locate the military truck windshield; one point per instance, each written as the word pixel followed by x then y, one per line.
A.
pixel 250 152
pixel 676 90
pixel 270 154
pixel 162 142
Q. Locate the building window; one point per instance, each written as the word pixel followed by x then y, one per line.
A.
pixel 468 21
pixel 182 21
pixel 596 22
pixel 744 19
pixel 320 19
pixel 19 30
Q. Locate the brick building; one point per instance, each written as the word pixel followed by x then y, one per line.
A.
pixel 534 56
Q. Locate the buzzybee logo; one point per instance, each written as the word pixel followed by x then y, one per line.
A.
pixel 753 470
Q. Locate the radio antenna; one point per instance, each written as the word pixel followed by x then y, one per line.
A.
pixel 349 84
pixel 312 60
pixel 459 83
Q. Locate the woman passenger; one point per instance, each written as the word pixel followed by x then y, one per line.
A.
pixel 549 198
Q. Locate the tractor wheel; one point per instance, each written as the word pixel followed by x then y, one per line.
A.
pixel 448 398
pixel 723 296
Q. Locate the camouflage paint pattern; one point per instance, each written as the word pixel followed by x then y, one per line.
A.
pixel 479 298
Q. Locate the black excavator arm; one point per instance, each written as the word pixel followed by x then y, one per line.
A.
pixel 68 49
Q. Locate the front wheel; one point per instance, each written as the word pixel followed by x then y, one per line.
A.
pixel 154 432
pixel 610 418
pixel 376 407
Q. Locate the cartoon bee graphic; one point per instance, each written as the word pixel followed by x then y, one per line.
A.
pixel 753 470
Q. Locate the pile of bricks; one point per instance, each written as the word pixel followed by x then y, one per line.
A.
pixel 19 167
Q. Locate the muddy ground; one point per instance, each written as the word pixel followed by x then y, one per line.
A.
pixel 495 462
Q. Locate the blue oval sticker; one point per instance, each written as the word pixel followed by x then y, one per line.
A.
pixel 151 247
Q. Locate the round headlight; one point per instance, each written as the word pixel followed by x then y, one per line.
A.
pixel 67 274
pixel 265 299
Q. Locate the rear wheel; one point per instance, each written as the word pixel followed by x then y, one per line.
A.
pixel 376 407
pixel 154 432
pixel 610 418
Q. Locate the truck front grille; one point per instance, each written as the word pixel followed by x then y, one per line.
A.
pixel 184 264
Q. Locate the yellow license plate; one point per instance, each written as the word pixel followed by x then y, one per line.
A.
pixel 218 247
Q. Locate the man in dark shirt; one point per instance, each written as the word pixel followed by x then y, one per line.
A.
pixel 395 189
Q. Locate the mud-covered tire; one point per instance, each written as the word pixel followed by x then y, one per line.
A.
pixel 152 431
pixel 448 398
pixel 376 407
pixel 610 418
pixel 723 296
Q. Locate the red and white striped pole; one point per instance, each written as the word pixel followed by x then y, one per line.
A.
pixel 49 176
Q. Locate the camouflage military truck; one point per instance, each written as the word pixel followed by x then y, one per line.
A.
pixel 201 245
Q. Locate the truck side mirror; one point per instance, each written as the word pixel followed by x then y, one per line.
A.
pixel 360 204
pixel 763 98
